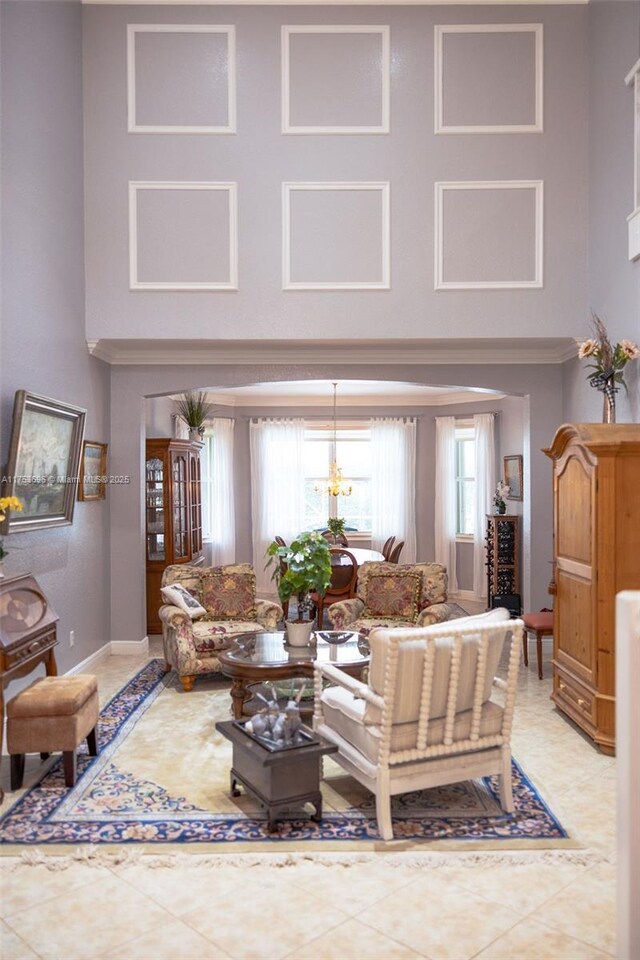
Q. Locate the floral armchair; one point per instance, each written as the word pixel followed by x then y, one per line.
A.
pixel 228 596
pixel 395 595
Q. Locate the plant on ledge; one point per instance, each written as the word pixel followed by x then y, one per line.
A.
pixel 336 527
pixel 502 491
pixel 194 408
pixel 300 569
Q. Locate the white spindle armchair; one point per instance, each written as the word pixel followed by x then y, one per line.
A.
pixel 427 716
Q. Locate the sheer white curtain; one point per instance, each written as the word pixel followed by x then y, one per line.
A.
pixel 485 486
pixel 277 487
pixel 393 484
pixel 218 503
pixel 446 498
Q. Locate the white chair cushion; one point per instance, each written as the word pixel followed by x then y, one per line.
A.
pixel 408 693
pixel 346 715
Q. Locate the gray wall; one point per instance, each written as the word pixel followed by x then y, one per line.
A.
pixel 614 281
pixel 43 347
pixel 411 157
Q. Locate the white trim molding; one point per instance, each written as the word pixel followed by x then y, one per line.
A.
pixel 135 283
pixel 385 79
pixel 130 648
pixel 384 283
pixel 536 282
pixel 440 125
pixel 132 125
pixel 633 80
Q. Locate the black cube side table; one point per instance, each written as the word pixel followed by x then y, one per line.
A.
pixel 278 779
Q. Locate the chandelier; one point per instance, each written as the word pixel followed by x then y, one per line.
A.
pixel 335 485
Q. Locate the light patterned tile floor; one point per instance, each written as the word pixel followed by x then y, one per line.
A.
pixel 185 907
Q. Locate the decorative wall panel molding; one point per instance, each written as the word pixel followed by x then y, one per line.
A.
pixel 335 79
pixel 187 242
pixel 336 236
pixel 497 246
pixel 181 78
pixel 506 100
pixel 633 80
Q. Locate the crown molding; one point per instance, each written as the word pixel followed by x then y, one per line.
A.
pixel 334 3
pixel 351 352
pixel 379 400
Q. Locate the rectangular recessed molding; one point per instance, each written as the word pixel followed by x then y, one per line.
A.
pixel 633 80
pixel 489 235
pixel 489 78
pixel 335 79
pixel 336 236
pixel 181 78
pixel 183 235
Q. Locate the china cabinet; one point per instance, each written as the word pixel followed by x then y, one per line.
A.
pixel 173 509
pixel 596 526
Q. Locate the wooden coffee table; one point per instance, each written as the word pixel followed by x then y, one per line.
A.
pixel 264 657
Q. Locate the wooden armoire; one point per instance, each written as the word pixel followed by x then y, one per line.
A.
pixel 596 507
pixel 173 509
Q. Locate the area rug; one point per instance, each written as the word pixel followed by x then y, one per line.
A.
pixel 162 777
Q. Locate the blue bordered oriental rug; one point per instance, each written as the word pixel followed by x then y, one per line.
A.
pixel 162 776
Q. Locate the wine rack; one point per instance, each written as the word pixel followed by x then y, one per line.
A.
pixel 503 555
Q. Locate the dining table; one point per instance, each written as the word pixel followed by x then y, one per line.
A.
pixel 361 555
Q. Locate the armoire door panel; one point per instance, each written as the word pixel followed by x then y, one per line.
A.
pixel 575 634
pixel 574 512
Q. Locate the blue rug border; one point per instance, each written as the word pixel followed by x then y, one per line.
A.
pixel 237 830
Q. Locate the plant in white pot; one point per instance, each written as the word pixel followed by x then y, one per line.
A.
pixel 194 409
pixel 302 568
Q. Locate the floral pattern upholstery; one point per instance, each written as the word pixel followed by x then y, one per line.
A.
pixel 432 605
pixel 394 596
pixel 191 646
pixel 229 594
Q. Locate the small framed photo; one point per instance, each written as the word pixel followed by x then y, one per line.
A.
pixel 93 481
pixel 513 476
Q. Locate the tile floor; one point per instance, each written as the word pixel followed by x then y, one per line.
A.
pixel 190 909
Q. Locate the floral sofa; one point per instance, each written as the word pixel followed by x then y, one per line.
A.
pixel 228 595
pixel 395 595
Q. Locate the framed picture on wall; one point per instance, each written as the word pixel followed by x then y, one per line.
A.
pixel 93 484
pixel 44 461
pixel 513 476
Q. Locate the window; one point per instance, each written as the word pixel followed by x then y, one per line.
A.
pixel 353 454
pixel 465 480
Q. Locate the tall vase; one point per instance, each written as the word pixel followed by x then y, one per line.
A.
pixel 609 402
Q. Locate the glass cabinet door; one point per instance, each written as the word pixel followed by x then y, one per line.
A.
pixel 154 504
pixel 180 506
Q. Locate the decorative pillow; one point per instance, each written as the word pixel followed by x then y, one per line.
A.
pixel 179 596
pixel 229 595
pixel 394 596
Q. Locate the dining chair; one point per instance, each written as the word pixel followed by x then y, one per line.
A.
pixel 340 538
pixel 388 545
pixel 283 569
pixel 394 556
pixel 342 586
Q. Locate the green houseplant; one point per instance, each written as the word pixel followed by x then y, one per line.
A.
pixel 194 408
pixel 336 527
pixel 300 569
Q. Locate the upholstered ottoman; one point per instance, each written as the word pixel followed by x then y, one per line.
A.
pixel 54 713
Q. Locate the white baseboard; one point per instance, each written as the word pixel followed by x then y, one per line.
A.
pixel 91 660
pixel 130 648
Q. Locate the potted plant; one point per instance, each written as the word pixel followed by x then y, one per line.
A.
pixel 194 408
pixel 300 569
pixel 336 527
pixel 502 491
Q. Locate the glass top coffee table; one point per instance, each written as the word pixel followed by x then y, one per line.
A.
pixel 264 657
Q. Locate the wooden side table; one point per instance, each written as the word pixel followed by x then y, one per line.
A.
pixel 278 779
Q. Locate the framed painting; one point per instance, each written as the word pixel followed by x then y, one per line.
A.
pixel 93 484
pixel 44 461
pixel 513 476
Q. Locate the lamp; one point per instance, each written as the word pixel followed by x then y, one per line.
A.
pixel 335 485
